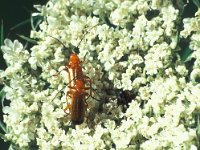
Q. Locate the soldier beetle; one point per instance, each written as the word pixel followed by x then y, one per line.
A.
pixel 78 104
pixel 77 90
pixel 78 86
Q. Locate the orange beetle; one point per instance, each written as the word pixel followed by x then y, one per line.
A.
pixel 77 90
pixel 78 104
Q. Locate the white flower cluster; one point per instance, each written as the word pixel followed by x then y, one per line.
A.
pixel 126 44
pixel 191 28
pixel 20 123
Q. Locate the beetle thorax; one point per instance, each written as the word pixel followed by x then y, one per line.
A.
pixel 74 60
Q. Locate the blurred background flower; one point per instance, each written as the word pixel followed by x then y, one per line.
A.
pixel 137 51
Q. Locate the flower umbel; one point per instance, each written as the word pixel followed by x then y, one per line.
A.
pixel 123 46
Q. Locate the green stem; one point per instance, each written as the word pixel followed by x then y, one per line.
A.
pixel 2 126
pixel 3 137
pixel 196 2
pixel 21 24
pixel 1 32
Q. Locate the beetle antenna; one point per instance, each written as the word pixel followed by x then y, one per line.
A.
pixel 58 41
pixel 87 31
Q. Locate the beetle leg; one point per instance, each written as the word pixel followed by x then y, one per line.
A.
pixel 68 107
pixel 69 94
pixel 65 69
pixel 86 104
pixel 87 79
pixel 90 95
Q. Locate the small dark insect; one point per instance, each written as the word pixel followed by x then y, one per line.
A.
pixel 124 98
pixel 151 14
